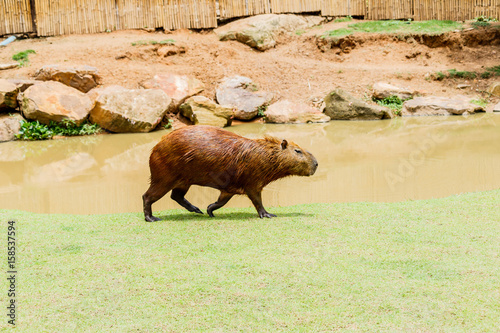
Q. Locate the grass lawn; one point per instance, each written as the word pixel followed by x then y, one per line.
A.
pixel 396 27
pixel 412 266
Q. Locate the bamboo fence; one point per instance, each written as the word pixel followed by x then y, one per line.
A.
pixel 389 9
pixel 343 8
pixel 295 6
pixel 15 17
pixel 57 17
pixel 180 14
pixel 239 8
pixel 74 17
pixel 456 10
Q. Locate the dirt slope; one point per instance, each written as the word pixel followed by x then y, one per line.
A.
pixel 296 69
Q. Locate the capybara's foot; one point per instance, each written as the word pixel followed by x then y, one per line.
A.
pixel 209 210
pixel 266 214
pixel 195 209
pixel 152 218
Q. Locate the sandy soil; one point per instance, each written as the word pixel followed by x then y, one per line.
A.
pixel 296 69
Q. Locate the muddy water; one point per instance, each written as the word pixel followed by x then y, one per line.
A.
pixel 393 160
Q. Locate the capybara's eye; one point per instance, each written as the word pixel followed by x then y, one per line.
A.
pixel 298 151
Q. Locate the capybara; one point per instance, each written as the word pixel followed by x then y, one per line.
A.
pixel 213 157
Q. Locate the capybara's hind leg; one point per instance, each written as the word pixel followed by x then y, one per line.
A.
pixel 256 197
pixel 178 195
pixel 153 194
pixel 223 199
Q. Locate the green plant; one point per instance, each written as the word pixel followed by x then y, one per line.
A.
pixel 70 128
pixel 22 57
pixel 343 19
pixel 300 32
pixel 261 110
pixel 491 71
pixel 453 73
pixel 169 124
pixel 483 18
pixel 392 102
pixel 481 102
pixel 34 131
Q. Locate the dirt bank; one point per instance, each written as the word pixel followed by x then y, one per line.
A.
pixel 297 69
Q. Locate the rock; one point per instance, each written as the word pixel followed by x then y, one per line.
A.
pixel 241 93
pixel 342 106
pixel 83 78
pixel 23 84
pixel 260 31
pixel 8 95
pixel 463 86
pixel 286 112
pixel 383 90
pixel 177 87
pixel 439 106
pixel 54 101
pixel 494 89
pixel 496 108
pixel 203 111
pixel 9 126
pixel 9 66
pixel 129 110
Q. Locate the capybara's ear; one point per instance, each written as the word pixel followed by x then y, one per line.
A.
pixel 284 144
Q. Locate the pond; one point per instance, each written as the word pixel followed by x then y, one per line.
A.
pixel 384 161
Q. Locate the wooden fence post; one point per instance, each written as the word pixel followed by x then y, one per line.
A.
pixel 33 16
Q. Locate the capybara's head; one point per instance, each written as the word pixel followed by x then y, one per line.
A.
pixel 295 160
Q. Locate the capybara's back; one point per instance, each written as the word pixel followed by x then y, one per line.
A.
pixel 210 156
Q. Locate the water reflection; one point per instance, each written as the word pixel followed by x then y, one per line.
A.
pixel 390 160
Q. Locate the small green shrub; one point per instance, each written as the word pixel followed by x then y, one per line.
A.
pixel 300 32
pixel 262 109
pixel 22 57
pixel 481 102
pixel 392 102
pixel 168 125
pixel 70 128
pixel 34 130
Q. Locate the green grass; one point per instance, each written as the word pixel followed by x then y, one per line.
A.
pixel 154 42
pixel 428 266
pixel 453 74
pixel 343 19
pixel 22 57
pixel 481 102
pixel 394 26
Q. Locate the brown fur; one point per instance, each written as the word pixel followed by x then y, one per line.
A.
pixel 209 156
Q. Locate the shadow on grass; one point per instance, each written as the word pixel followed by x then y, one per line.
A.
pixel 165 217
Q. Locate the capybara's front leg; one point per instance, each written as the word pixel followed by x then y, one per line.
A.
pixel 153 194
pixel 224 197
pixel 178 196
pixel 256 197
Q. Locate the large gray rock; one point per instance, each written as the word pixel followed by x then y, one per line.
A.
pixel 203 111
pixel 9 126
pixel 286 112
pixel 8 95
pixel 383 90
pixel 439 106
pixel 128 110
pixel 54 101
pixel 242 94
pixel 342 106
pixel 83 78
pixel 260 31
pixel 177 87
